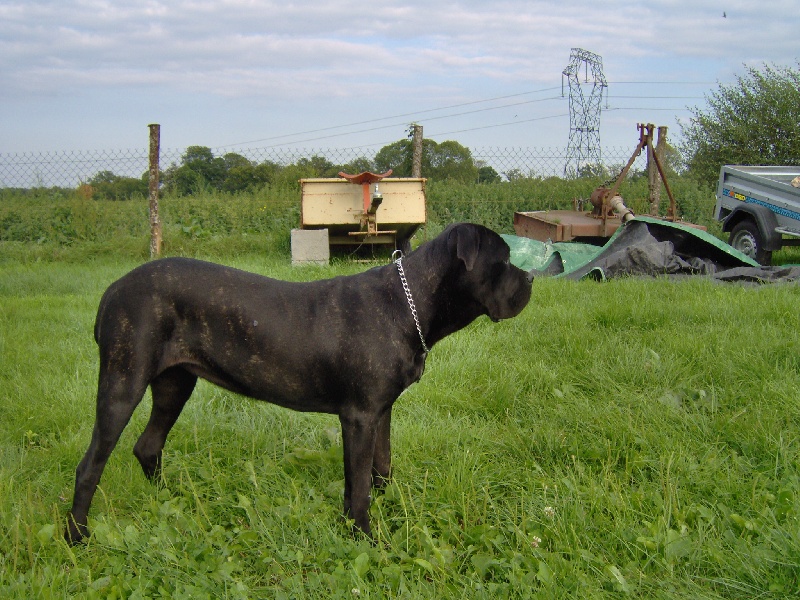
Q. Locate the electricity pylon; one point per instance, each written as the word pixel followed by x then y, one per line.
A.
pixel 583 149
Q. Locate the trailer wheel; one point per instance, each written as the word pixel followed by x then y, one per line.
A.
pixel 747 239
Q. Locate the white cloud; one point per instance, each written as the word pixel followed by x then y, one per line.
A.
pixel 404 55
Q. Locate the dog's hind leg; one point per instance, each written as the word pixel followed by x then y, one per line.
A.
pixel 171 389
pixel 382 458
pixel 117 397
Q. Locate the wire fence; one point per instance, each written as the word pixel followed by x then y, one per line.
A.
pixel 68 169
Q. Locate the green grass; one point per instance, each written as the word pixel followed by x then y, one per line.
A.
pixel 636 437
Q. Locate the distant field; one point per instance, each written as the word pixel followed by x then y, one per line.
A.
pixel 636 437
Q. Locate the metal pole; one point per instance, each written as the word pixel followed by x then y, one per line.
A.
pixel 416 157
pixel 644 133
pixel 654 180
pixel 155 224
pixel 672 211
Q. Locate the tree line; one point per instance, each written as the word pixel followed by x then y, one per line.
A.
pixel 200 170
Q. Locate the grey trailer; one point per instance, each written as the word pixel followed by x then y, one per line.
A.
pixel 759 207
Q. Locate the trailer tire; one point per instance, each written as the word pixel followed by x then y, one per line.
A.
pixel 747 239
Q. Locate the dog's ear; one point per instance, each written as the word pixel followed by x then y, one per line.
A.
pixel 465 240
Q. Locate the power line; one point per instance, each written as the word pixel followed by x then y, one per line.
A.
pixel 443 133
pixel 663 82
pixel 462 113
pixel 400 124
pixel 659 97
pixel 519 121
pixel 473 102
pixel 646 108
pixel 515 122
pixel 450 116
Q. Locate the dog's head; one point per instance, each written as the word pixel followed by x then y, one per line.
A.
pixel 485 277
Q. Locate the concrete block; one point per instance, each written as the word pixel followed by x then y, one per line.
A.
pixel 310 246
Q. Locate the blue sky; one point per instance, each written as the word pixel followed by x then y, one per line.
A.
pixel 92 74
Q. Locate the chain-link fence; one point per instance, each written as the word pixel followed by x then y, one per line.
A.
pixel 68 169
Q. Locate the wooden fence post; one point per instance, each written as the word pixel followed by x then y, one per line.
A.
pixel 155 224
pixel 416 157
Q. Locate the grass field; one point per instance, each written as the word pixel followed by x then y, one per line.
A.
pixel 636 437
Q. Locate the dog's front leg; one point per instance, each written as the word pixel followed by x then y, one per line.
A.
pixel 382 459
pixel 358 437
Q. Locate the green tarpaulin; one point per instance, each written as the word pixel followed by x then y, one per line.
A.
pixel 645 246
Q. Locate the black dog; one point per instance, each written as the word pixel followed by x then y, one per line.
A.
pixel 347 346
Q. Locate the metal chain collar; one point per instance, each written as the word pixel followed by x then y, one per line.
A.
pixel 411 305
